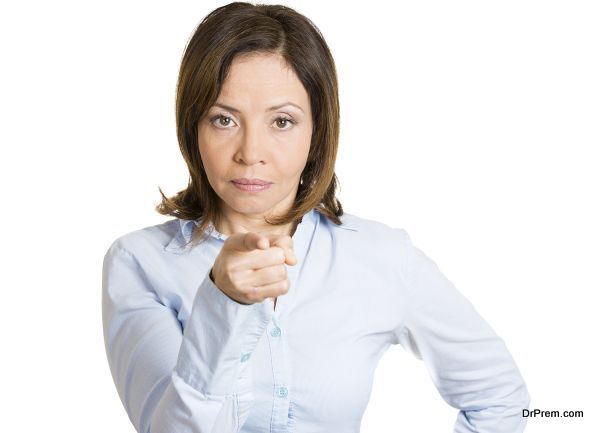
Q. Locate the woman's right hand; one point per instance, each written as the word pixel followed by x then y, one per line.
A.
pixel 251 266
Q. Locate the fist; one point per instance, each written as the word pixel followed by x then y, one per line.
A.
pixel 251 266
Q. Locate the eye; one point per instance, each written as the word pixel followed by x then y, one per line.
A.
pixel 224 122
pixel 221 124
pixel 285 121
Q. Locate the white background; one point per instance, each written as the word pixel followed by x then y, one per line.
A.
pixel 474 125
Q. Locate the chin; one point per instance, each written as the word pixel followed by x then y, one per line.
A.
pixel 250 205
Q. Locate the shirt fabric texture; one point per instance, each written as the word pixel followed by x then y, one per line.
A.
pixel 187 358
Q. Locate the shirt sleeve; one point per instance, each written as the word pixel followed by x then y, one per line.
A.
pixel 171 379
pixel 468 362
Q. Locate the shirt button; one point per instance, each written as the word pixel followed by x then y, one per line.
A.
pixel 276 331
pixel 282 392
pixel 245 357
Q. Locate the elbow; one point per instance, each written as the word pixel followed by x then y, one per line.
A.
pixel 512 405
pixel 504 401
pixel 523 398
pixel 516 400
pixel 511 393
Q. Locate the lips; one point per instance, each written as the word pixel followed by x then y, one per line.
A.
pixel 245 181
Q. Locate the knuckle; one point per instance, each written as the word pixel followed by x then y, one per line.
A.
pixel 283 286
pixel 252 294
pixel 278 272
pixel 229 268
pixel 281 271
pixel 234 282
pixel 278 254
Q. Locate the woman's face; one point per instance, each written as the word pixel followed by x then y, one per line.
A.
pixel 260 127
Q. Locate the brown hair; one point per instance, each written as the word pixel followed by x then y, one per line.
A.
pixel 241 27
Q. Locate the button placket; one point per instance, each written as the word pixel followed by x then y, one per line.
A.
pixel 276 336
pixel 281 385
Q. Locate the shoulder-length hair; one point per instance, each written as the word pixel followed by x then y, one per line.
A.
pixel 241 27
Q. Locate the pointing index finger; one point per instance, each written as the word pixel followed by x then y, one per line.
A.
pixel 249 241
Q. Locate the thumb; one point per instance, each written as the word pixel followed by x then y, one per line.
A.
pixel 286 243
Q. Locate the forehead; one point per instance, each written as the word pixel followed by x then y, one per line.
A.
pixel 262 77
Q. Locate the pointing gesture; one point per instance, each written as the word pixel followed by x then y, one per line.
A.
pixel 251 266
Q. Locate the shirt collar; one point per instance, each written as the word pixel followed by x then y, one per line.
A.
pixel 183 236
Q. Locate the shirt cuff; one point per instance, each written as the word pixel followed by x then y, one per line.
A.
pixel 218 340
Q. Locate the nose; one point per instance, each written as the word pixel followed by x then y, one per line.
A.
pixel 251 148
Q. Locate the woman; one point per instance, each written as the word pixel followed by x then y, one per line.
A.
pixel 263 306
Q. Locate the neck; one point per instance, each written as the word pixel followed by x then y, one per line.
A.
pixel 229 227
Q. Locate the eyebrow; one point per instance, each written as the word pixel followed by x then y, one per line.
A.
pixel 275 107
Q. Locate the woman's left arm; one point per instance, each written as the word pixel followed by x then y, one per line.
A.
pixel 468 362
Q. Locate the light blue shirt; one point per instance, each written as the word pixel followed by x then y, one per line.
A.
pixel 187 358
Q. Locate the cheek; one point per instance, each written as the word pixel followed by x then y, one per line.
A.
pixel 211 159
pixel 290 163
pixel 292 148
pixel 213 165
